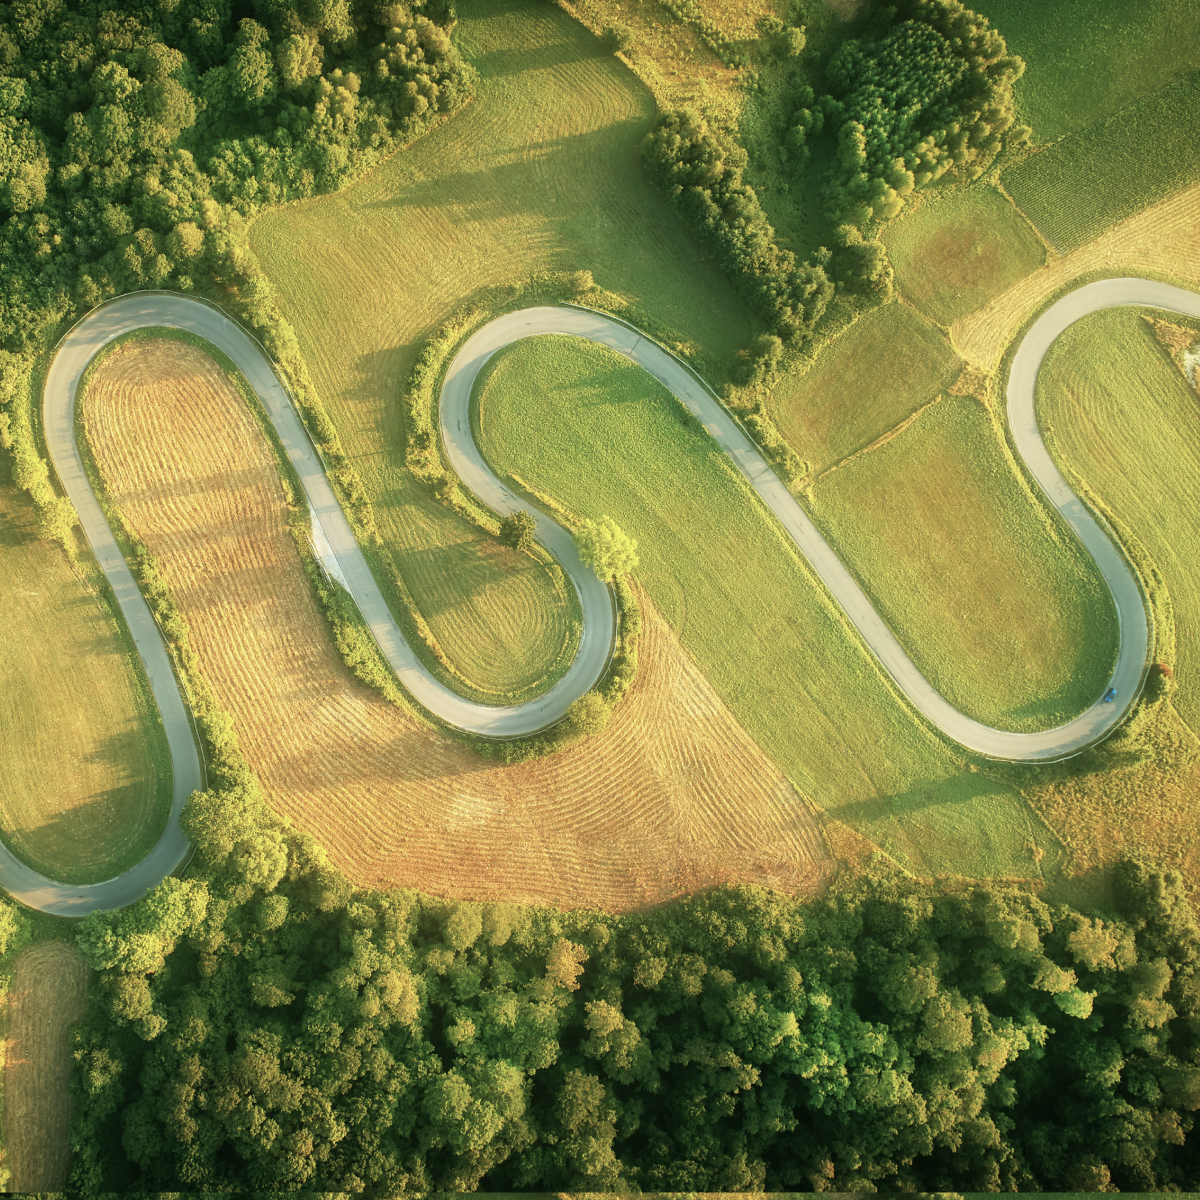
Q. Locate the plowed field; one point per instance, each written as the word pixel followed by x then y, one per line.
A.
pixel 47 995
pixel 674 797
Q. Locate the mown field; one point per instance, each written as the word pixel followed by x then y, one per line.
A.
pixel 956 251
pixel 45 998
pixel 1124 419
pixel 1163 240
pixel 998 605
pixel 863 384
pixel 85 775
pixel 1124 422
pixel 1078 187
pixel 395 802
pixel 745 606
pixel 540 172
pixel 1087 58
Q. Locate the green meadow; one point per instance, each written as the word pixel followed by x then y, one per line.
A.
pixel 745 605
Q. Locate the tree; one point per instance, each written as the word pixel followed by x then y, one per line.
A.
pixel 605 548
pixel 618 39
pixel 517 530
pixel 589 714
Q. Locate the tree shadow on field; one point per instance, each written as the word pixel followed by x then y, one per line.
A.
pixel 932 794
pixel 554 177
pixel 467 567
pixel 90 840
pixel 519 60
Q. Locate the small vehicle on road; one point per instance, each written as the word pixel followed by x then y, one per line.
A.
pixel 1110 696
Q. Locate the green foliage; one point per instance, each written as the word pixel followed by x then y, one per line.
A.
pixel 605 548
pixel 517 530
pixel 618 39
pixel 893 1036
pixel 14 929
pixel 589 714
pixel 127 138
pixel 1122 165
pixel 705 178
pixel 930 92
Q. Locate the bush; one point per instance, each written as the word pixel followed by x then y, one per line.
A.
pixel 618 39
pixel 517 530
pixel 589 714
pixel 606 548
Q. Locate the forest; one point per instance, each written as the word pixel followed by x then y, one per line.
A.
pixel 136 138
pixel 264 1025
pixel 923 88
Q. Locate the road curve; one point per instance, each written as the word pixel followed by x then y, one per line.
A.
pixel 149 309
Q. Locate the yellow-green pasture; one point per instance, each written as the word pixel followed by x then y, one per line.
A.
pixel 746 606
pixel 540 172
pixel 85 774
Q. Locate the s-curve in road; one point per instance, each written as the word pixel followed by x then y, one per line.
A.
pixel 335 538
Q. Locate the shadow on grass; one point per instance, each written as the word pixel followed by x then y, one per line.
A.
pixel 517 187
pixel 521 60
pixel 93 840
pixel 468 567
pixel 956 790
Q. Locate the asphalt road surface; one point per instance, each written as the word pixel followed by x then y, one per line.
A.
pixel 148 309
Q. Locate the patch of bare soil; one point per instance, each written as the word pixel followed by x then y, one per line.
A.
pixel 47 996
pixel 672 798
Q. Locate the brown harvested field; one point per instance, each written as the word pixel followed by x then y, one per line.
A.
pixel 45 998
pixel 674 797
pixel 1165 237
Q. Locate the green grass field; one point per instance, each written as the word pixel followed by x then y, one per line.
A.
pixel 539 172
pixel 1087 58
pixel 85 774
pixel 863 384
pixel 1079 187
pixel 956 251
pixel 599 436
pixel 999 607
pixel 1125 423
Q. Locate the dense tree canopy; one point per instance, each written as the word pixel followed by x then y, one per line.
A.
pixel 132 130
pixel 704 175
pixel 265 1026
pixel 928 92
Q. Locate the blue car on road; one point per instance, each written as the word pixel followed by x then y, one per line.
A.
pixel 1110 695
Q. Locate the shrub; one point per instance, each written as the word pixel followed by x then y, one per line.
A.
pixel 606 548
pixel 589 714
pixel 618 39
pixel 517 530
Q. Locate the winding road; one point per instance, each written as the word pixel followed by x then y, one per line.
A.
pixel 335 541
